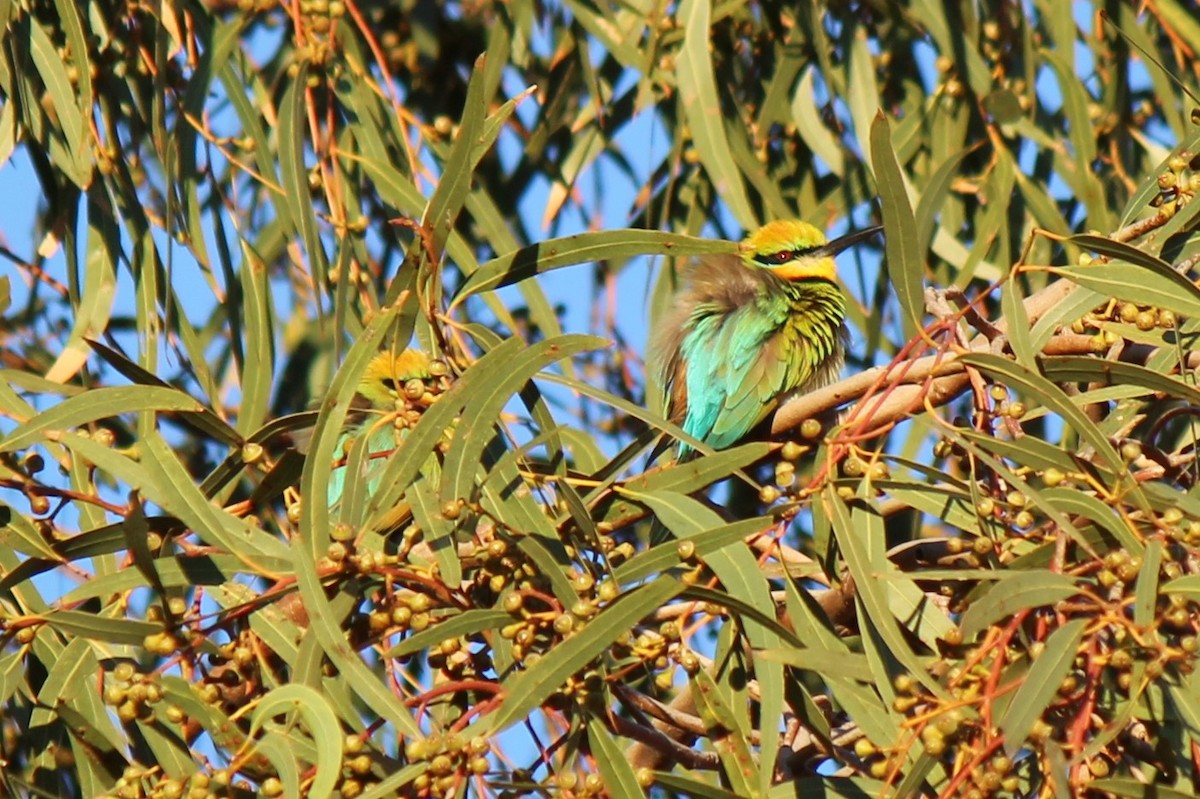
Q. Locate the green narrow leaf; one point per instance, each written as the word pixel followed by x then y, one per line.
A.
pixel 503 496
pixel 826 662
pixel 912 608
pixel 1146 591
pixel 328 430
pixel 916 775
pixel 324 624
pixel 75 623
pixel 905 267
pixel 861 94
pixel 165 482
pixel 934 193
pixel 528 689
pixel 665 556
pixel 66 683
pixel 1076 303
pixel 619 776
pixel 292 145
pixel 1189 586
pixel 204 420
pixel 991 224
pixel 582 248
pixel 322 725
pixel 1041 684
pixel 8 144
pixel 12 673
pixel 467 623
pixel 702 108
pixel 1162 287
pixel 103 761
pixel 500 379
pixel 684 516
pixel 95 307
pixel 455 182
pixel 1019 338
pixel 550 557
pixel 727 735
pixel 867 710
pixel 1015 592
pixel 394 784
pixel 682 785
pixel 262 157
pixel 811 127
pixel 388 172
pixel 698 473
pixel 224 733
pixel 283 755
pixel 257 342
pixel 1083 369
pixel 737 604
pixel 1050 395
pixel 1075 502
pixel 1121 251
pixel 1185 697
pixel 860 537
pixel 98 403
pixel 1037 198
pixel 178 572
pixel 1082 133
pixel 756 174
pixel 75 132
pixel 737 569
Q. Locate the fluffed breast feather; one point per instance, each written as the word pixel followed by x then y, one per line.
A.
pixel 713 286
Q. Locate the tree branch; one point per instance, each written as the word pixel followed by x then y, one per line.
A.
pixel 938 378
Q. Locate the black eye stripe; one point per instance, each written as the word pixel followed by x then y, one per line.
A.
pixel 784 256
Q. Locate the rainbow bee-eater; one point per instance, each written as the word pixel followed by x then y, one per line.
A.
pixel 395 389
pixel 749 330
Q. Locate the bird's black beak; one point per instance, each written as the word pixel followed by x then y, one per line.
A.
pixel 849 240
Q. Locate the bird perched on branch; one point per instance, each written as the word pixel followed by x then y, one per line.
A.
pixel 394 391
pixel 749 330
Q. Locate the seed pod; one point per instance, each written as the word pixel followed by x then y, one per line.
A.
pixel 791 451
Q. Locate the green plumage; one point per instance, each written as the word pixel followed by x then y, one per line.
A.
pixel 394 391
pixel 746 333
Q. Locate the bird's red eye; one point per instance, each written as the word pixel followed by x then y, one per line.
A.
pixel 781 257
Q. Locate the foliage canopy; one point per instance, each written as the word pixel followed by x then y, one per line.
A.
pixel 973 570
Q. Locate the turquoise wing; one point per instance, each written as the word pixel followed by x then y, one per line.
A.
pixel 742 364
pixel 366 464
pixel 738 365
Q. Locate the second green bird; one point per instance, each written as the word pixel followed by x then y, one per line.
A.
pixel 749 330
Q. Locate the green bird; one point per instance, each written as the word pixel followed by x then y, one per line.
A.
pixel 394 391
pixel 750 330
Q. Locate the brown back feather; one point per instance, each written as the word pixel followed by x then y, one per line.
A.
pixel 720 284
